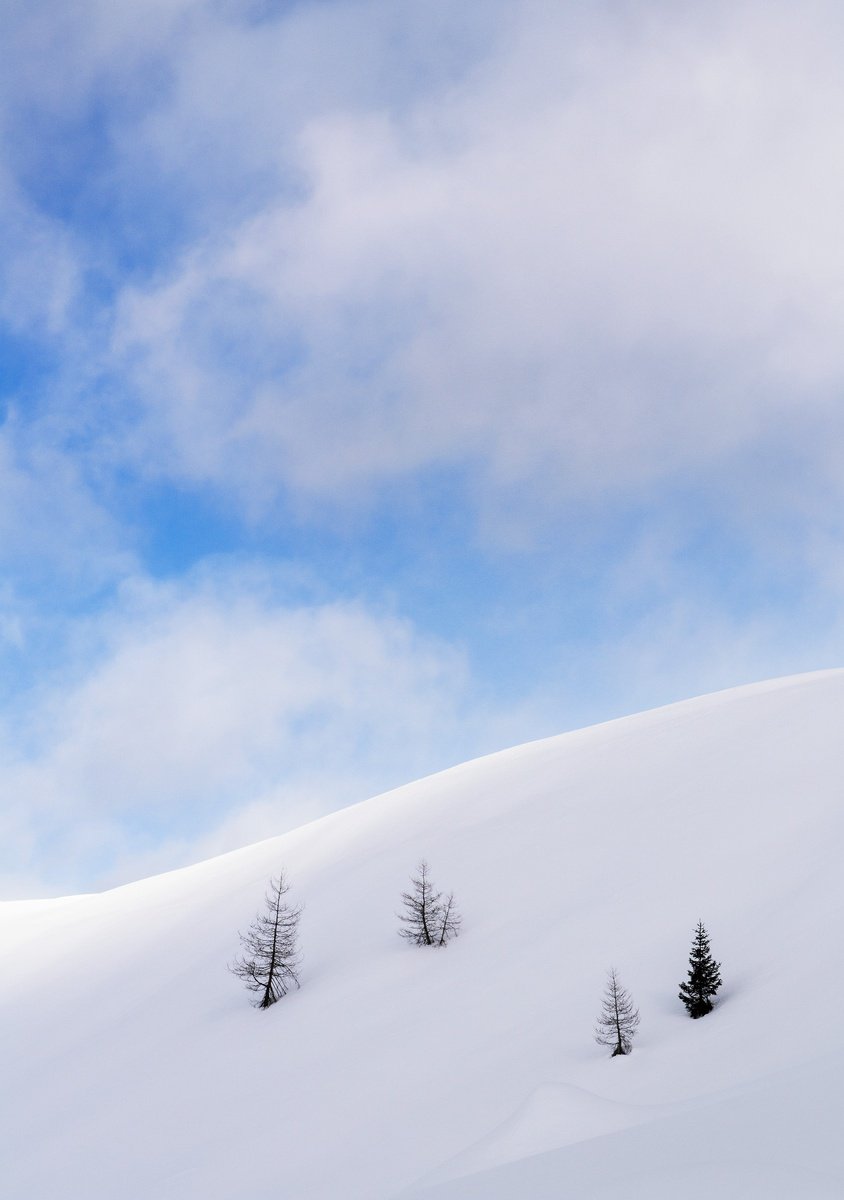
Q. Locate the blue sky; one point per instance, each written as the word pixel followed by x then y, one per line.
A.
pixel 382 385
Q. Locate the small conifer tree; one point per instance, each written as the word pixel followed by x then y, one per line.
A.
pixel 269 964
pixel 619 1018
pixel 450 921
pixel 704 976
pixel 427 919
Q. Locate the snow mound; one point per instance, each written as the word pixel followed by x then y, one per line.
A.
pixel 133 1064
pixel 554 1115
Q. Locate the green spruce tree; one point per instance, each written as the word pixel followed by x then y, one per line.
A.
pixel 704 977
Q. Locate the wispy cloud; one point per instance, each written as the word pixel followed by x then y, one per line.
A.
pixel 603 260
pixel 191 702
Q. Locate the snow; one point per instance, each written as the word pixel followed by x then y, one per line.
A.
pixel 134 1066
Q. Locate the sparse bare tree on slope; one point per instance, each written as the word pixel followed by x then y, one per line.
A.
pixel 450 921
pixel 619 1018
pixel 427 919
pixel 270 960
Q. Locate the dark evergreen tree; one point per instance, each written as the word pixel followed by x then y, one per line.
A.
pixel 427 919
pixel 270 960
pixel 619 1018
pixel 704 976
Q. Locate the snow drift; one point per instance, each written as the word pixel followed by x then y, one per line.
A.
pixel 134 1066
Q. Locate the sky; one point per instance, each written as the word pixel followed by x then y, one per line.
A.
pixel 382 385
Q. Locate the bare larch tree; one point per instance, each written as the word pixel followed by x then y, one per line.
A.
pixel 427 919
pixel 450 921
pixel 269 963
pixel 619 1018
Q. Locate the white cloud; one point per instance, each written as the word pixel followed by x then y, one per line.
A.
pixel 39 271
pixel 580 252
pixel 60 547
pixel 609 257
pixel 214 705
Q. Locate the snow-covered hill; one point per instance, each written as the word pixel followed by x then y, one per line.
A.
pixel 133 1066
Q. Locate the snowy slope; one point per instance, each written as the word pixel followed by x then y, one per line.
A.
pixel 134 1067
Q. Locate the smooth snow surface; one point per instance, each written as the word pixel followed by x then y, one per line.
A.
pixel 133 1065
